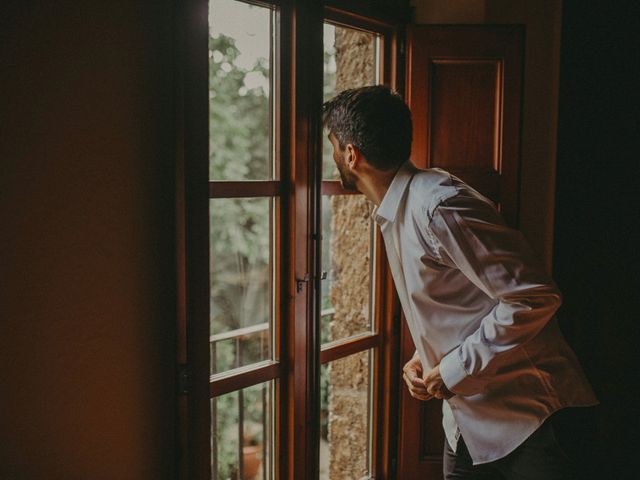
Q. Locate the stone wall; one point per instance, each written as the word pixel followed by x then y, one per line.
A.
pixel 349 378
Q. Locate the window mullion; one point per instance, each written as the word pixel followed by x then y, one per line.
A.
pixel 306 130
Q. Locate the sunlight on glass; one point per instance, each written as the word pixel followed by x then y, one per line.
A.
pixel 347 253
pixel 329 42
pixel 240 94
pixel 241 278
pixel 351 60
pixel 345 417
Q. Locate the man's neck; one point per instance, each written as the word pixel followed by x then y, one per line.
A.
pixel 374 184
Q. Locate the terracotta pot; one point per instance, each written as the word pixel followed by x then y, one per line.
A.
pixel 251 460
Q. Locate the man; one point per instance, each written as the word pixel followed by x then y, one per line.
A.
pixel 479 307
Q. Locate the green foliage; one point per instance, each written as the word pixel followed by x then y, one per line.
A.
pixel 240 233
pixel 239 228
pixel 238 116
pixel 226 433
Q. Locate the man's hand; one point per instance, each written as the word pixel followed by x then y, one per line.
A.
pixel 435 385
pixel 431 386
pixel 412 374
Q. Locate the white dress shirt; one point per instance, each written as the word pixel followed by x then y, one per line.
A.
pixel 479 305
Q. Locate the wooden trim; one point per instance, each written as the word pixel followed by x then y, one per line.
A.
pixel 388 370
pixel 265 3
pixel 344 348
pixel 385 434
pixel 387 41
pixel 240 378
pixel 193 16
pixel 343 18
pixel 304 364
pixel 239 332
pixel 182 404
pixel 363 14
pixel 248 189
pixel 181 260
pixel 284 237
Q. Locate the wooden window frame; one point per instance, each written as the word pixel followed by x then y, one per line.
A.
pixel 297 190
pixel 384 341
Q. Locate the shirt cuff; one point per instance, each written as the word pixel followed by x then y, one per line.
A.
pixel 456 378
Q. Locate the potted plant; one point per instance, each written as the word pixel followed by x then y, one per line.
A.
pixel 252 450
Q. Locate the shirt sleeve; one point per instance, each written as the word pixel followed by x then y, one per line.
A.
pixel 496 259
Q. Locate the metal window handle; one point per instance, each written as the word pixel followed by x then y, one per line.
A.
pixel 301 281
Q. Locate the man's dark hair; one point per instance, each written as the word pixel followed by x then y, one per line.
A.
pixel 376 120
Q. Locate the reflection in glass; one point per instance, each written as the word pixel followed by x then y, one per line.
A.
pixel 351 60
pixel 240 91
pixel 241 442
pixel 241 278
pixel 345 417
pixel 347 252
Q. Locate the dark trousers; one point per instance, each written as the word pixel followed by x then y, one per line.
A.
pixel 545 455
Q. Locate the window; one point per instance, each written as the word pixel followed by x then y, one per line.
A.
pixel 348 250
pixel 286 308
pixel 243 220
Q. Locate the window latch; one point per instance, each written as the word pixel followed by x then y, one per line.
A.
pixel 301 281
pixel 183 379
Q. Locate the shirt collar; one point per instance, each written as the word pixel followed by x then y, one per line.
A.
pixel 388 208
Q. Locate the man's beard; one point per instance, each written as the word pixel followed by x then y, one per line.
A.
pixel 347 179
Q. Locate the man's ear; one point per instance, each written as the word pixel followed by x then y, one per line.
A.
pixel 354 155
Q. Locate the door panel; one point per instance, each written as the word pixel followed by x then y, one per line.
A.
pixel 464 105
pixel 464 90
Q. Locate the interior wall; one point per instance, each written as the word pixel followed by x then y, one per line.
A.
pixel 86 244
pixel 460 11
pixel 597 236
pixel 542 21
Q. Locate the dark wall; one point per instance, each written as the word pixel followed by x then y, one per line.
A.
pixel 86 240
pixel 597 216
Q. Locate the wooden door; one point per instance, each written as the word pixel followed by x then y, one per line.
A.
pixel 464 88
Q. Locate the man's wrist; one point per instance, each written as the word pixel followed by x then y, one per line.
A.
pixel 452 371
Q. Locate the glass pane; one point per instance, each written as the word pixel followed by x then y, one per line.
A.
pixel 351 60
pixel 241 275
pixel 242 434
pixel 347 252
pixel 240 91
pixel 345 417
